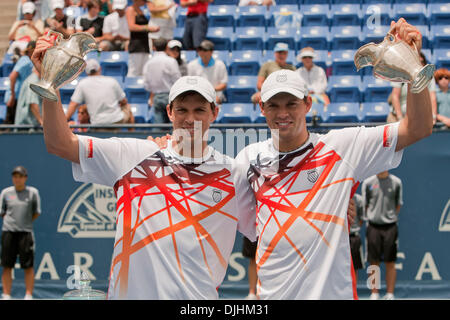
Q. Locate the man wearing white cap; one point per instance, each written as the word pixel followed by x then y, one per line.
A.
pixel 174 50
pixel 105 99
pixel 26 30
pixel 314 76
pixel 58 21
pixel 116 33
pixel 302 183
pixel 280 52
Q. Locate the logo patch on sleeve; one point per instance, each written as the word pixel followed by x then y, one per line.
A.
pixel 387 136
pixel 90 148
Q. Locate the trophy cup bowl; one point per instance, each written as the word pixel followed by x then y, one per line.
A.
pixel 63 62
pixel 396 61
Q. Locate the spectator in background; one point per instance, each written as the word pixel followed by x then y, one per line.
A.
pixel 383 197
pixel 355 227
pixel 442 77
pixel 257 3
pixel 29 104
pixel 281 51
pixel 116 34
pixel 314 76
pixel 20 205
pixel 91 22
pixel 82 118
pixel 26 30
pixel 43 9
pixel 105 99
pixel 212 69
pixel 22 69
pixel 397 98
pixel 196 24
pixel 75 9
pixel 174 50
pixel 160 73
pixel 105 8
pixel 138 47
pixel 163 16
pixel 58 21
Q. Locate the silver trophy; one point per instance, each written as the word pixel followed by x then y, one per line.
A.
pixel 396 61
pixel 85 292
pixel 63 62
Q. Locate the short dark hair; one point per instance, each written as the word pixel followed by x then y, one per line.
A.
pixel 160 44
pixel 183 96
pixel 92 3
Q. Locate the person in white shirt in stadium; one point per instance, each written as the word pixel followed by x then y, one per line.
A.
pixel 302 183
pixel 160 73
pixel 314 76
pixel 116 34
pixel 174 50
pixel 210 68
pixel 59 21
pixel 105 99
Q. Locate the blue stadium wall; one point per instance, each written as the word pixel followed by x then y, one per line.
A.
pixel 66 234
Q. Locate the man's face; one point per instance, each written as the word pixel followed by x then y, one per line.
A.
pixel 19 180
pixel 95 10
pixel 193 113
pixel 28 16
pixel 121 12
pixel 83 115
pixel 281 57
pixel 287 114
pixel 307 62
pixel 205 55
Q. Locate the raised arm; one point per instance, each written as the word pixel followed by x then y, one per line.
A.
pixel 418 121
pixel 58 137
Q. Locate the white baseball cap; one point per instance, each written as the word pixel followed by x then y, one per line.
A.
pixel 281 46
pixel 283 81
pixel 193 83
pixel 307 52
pixel 119 4
pixel 92 65
pixel 57 4
pixel 28 7
pixel 174 43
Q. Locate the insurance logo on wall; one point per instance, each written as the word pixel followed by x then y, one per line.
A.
pixel 89 213
pixel 444 223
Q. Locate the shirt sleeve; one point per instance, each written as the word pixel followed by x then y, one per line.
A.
pixel 107 25
pixel 120 94
pixel 400 193
pixel 104 161
pixel 78 95
pixel 2 203
pixel 37 202
pixel 245 198
pixel 368 151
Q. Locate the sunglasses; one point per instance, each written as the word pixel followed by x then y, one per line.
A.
pixel 443 77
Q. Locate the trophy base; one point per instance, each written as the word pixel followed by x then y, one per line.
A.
pixel 44 91
pixel 423 78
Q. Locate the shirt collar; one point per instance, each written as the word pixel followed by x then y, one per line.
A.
pixel 210 64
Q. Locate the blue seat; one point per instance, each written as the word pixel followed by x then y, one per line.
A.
pixel 287 35
pixel 178 33
pixel 221 15
pixel 343 112
pixel 316 37
pixel 180 16
pixel 151 115
pixel 222 37
pixel 374 111
pixel 344 88
pixel 7 65
pixel 375 34
pixel 342 62
pixel 240 88
pixel 315 15
pixel 245 63
pixel 428 55
pixel 270 55
pixel 321 59
pixel 317 111
pixel 2 112
pixel 376 14
pixel 222 55
pixel 314 1
pixel 375 89
pixel 287 2
pixel 188 55
pixel 226 2
pixel 442 58
pixel 250 38
pixel 236 113
pixel 440 37
pixel 439 13
pixel 345 37
pixel 425 31
pixel 140 112
pixel 67 90
pixel 258 117
pixel 286 16
pixel 135 91
pixel 334 2
pixel 251 16
pixel 4 86
pixel 347 14
pixel 114 63
pixel 414 13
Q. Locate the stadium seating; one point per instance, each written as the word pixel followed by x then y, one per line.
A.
pixel 2 112
pixel 317 37
pixel 222 37
pixel 344 88
pixel 236 113
pixel 345 37
pixel 440 37
pixel 258 116
pixel 342 62
pixel 375 90
pixel 221 15
pixel 317 111
pixel 188 55
pixel 269 55
pixel 249 38
pixel 441 58
pixel 135 91
pixel 376 14
pixel 315 15
pixel 286 35
pixel 343 112
pixel 245 63
pixel 374 111
pixel 67 90
pixel 251 16
pixel 347 14
pixel 374 34
pixel 424 30
pixel 4 86
pixel 321 59
pixel 114 63
pixel 414 13
pixel 226 2
pixel 439 13
pixel 240 88
pixel 7 65
pixel 223 55
pixel 178 33
pixel 140 112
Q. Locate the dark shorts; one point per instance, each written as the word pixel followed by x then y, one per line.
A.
pixel 249 248
pixel 355 247
pixel 17 244
pixel 382 242
pixel 195 29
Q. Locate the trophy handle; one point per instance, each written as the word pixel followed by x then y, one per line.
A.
pixel 56 35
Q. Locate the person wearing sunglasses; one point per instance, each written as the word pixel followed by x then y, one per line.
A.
pixel 442 77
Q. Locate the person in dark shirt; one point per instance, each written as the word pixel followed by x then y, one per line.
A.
pixel 91 22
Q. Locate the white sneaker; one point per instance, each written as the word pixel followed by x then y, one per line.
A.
pixel 374 296
pixel 252 296
pixel 6 297
pixel 389 296
pixel 28 297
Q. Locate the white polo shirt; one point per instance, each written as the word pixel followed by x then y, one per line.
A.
pixel 160 73
pixel 215 72
pixel 315 79
pixel 115 25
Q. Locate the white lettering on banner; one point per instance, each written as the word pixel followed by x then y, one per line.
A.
pixel 374 278
pixel 400 255
pixel 89 261
pixel 444 223
pixel 73 281
pixel 428 266
pixel 236 266
pixel 47 266
pixel 374 20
